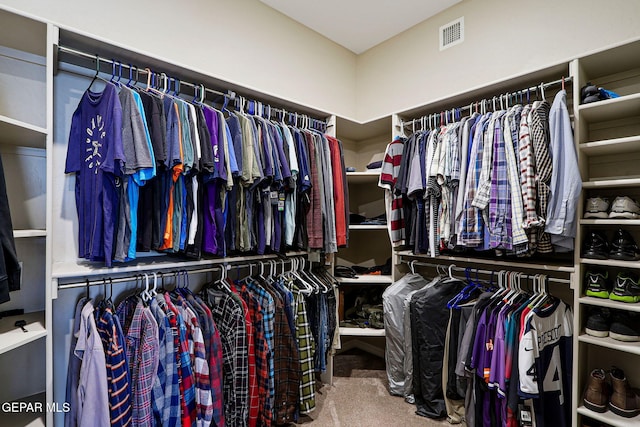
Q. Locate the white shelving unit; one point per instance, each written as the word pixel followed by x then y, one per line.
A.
pixel 25 135
pixel 367 279
pixel 607 138
pixel 361 332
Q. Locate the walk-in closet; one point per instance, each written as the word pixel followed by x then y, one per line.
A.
pixel 356 213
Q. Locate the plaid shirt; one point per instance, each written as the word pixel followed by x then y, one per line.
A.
pixel 268 307
pixel 113 342
pixel 166 388
pixel 513 174
pixel 500 202
pixel 213 347
pixel 199 363
pixel 229 319
pixel 306 345
pixel 472 221
pixel 261 349
pixel 187 386
pixel 286 362
pixel 141 331
pixel 253 380
pixel 540 140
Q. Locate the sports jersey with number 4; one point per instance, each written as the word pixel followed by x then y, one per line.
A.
pixel 544 358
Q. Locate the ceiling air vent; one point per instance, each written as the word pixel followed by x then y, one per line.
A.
pixel 452 33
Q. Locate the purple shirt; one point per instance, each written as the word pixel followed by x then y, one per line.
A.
pixel 95 155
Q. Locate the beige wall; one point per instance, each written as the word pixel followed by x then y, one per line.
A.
pixel 247 43
pixel 503 38
pixel 239 41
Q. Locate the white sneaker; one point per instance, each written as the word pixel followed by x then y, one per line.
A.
pixel 597 207
pixel 624 207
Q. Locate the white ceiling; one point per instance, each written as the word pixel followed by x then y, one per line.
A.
pixel 359 25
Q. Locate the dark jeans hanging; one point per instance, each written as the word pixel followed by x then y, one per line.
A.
pixel 9 266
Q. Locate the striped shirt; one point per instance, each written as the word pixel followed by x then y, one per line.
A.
pixel 393 200
pixel 113 341
pixel 527 170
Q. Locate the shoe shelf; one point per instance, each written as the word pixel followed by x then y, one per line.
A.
pixel 611 263
pixel 610 109
pixel 607 342
pixel 361 332
pixel 368 227
pixel 611 146
pixel 609 418
pixel 611 183
pixel 616 305
pixel 12 337
pixel 366 279
pixel 614 222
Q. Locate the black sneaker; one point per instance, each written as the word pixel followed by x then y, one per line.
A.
pixel 625 326
pixel 597 284
pixel 623 247
pixel 626 289
pixel 595 246
pixel 598 322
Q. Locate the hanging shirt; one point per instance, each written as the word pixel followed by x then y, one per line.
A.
pixel 96 156
pixel 393 201
pixel 566 182
pixel 93 389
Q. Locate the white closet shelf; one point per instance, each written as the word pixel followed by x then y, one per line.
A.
pixel 609 418
pixel 363 177
pixel 367 227
pixel 16 132
pixel 531 265
pixel 615 221
pixel 366 279
pixel 611 146
pixel 12 337
pixel 611 109
pixel 616 305
pixel 361 332
pixel 607 342
pixel 22 234
pixel 26 419
pixel 152 263
pixel 611 263
pixel 611 183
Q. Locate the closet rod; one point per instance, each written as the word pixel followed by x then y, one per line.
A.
pixel 470 106
pixel 231 94
pixel 106 279
pixel 486 272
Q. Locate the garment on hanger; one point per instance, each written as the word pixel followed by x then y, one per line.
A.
pixel 9 265
pixel 484 182
pixel 221 183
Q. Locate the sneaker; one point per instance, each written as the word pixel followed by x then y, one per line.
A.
pixel 623 247
pixel 597 284
pixel 625 326
pixel 597 207
pixel 596 394
pixel 598 322
pixel 595 246
pixel 626 288
pixel 624 207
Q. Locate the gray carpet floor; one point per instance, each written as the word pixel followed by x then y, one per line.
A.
pixel 359 397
